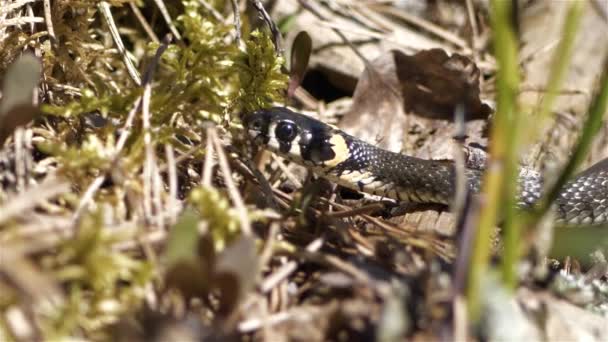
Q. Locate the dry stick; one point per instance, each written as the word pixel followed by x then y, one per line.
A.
pixel 143 22
pixel 122 139
pixel 216 15
pixel 266 253
pixel 150 158
pixel 19 157
pixel 165 14
pixel 409 233
pixel 473 22
pixel 173 202
pixel 13 6
pixel 152 202
pixel 96 184
pixel 287 269
pixel 276 35
pixel 181 158
pixel 461 183
pixel 366 209
pixel 306 5
pixel 423 24
pixel 208 165
pixel 104 9
pixel 30 13
pixel 254 173
pixel 340 265
pixel 254 324
pixel 31 197
pixel 237 21
pixel 233 191
pixel 286 171
pixel 157 192
pixel 49 21
pixel 21 21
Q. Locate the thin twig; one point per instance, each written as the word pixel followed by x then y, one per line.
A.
pixel 473 23
pixel 122 139
pixel 6 8
pixel 216 15
pixel 142 21
pixel 21 21
pixel 237 21
pixel 104 9
pixel 287 269
pixel 366 209
pixel 150 159
pixel 208 165
pixel 305 4
pixel 461 183
pixel 173 204
pixel 422 24
pixel 28 199
pixel 165 14
pixel 276 34
pixel 233 191
pixel 266 254
pixel 48 18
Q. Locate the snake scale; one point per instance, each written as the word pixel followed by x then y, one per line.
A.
pixel 355 164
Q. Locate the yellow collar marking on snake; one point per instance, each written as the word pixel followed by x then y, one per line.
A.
pixel 340 149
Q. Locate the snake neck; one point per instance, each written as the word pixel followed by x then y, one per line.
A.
pixel 397 176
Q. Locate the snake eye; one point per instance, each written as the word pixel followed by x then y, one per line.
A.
pixel 285 131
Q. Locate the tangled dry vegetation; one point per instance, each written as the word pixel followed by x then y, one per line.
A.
pixel 131 208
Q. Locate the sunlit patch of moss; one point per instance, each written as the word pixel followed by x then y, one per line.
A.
pixel 205 77
pixel 102 283
pixel 262 81
pixel 215 209
pixel 204 80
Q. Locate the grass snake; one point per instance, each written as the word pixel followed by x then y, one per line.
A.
pixel 355 164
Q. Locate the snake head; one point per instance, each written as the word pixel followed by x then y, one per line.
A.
pixel 295 136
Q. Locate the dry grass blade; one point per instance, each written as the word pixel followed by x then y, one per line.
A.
pixel 423 24
pixel 31 198
pixel 21 21
pixel 48 18
pixel 144 23
pixel 167 17
pixel 124 135
pixel 287 269
pixel 106 13
pixel 233 191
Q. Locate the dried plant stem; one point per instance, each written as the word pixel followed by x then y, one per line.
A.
pixel 237 21
pixel 216 15
pixel 28 199
pixel 422 24
pixel 48 20
pixel 142 21
pixel 122 139
pixel 287 269
pixel 104 9
pixel 276 34
pixel 21 21
pixel 165 14
pixel 233 191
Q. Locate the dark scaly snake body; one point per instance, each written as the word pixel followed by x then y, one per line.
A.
pixel 352 163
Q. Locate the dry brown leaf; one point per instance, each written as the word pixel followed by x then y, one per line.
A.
pixel 429 84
